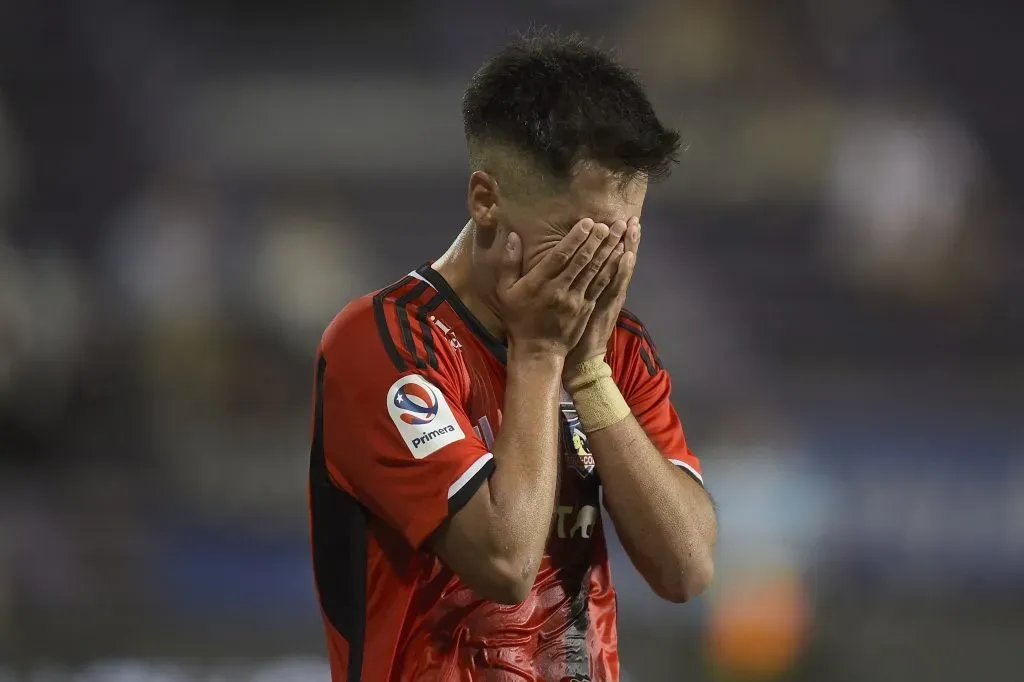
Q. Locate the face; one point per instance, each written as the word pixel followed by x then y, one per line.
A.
pixel 593 193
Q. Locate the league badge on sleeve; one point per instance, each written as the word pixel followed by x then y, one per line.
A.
pixel 422 416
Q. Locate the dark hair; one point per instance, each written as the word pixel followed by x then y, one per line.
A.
pixel 563 100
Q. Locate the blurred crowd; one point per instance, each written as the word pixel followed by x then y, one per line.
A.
pixel 189 191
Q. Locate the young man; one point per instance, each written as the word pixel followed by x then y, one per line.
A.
pixel 471 417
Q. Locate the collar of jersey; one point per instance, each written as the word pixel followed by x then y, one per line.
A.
pixel 495 345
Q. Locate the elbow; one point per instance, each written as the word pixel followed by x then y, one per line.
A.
pixel 685 583
pixel 509 580
pixel 511 593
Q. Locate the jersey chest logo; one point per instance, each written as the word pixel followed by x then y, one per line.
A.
pixel 575 449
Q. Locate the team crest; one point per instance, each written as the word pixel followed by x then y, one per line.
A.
pixel 574 442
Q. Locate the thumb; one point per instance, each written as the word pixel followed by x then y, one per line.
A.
pixel 511 266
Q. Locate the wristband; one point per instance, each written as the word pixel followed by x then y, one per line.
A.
pixel 599 403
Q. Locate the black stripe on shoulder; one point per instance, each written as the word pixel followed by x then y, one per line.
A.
pixel 423 315
pixel 650 343
pixel 635 331
pixel 632 318
pixel 654 349
pixel 636 328
pixel 643 330
pixel 652 369
pixel 382 322
pixel 402 304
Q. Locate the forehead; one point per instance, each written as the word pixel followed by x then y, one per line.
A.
pixel 596 193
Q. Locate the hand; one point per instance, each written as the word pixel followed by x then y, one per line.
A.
pixel 608 289
pixel 547 309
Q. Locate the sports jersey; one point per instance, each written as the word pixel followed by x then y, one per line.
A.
pixel 408 396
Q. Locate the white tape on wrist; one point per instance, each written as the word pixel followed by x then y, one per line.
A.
pixel 599 403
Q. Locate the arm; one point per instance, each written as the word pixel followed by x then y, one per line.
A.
pixel 665 519
pixel 652 486
pixel 662 514
pixel 430 478
pixel 398 438
pixel 496 541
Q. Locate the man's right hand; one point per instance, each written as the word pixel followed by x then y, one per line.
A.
pixel 496 542
pixel 547 308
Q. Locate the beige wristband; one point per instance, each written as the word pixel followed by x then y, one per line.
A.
pixel 599 403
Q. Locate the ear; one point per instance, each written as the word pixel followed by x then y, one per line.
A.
pixel 482 200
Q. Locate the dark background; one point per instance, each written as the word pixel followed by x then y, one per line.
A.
pixel 190 190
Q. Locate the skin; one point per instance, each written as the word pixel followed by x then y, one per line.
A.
pixel 664 518
pixel 496 541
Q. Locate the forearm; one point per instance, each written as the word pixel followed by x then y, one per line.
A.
pixel 662 515
pixel 522 487
pixel 665 519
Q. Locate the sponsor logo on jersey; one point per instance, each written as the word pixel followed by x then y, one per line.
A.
pixel 583 519
pixel 422 416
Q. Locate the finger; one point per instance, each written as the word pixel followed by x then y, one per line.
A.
pixel 583 256
pixel 627 265
pixel 607 273
pixel 511 265
pixel 615 293
pixel 632 237
pixel 557 258
pixel 600 259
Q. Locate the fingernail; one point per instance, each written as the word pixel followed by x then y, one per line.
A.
pixel 587 225
pixel 634 232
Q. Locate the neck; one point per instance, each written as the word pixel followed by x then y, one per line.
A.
pixel 473 288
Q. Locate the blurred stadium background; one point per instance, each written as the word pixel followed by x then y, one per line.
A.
pixel 190 189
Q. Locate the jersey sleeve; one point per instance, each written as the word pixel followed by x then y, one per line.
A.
pixel 647 388
pixel 395 434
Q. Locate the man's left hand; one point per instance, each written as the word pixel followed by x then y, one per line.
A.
pixel 608 288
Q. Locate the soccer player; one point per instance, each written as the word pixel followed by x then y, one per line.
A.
pixel 472 418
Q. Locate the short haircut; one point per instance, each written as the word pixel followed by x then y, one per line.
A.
pixel 556 102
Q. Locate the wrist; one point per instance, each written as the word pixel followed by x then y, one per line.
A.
pixel 599 403
pixel 577 366
pixel 536 353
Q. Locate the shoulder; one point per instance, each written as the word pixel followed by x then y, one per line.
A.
pixel 632 343
pixel 392 324
pixel 629 323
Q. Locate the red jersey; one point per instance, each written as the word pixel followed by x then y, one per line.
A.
pixel 409 391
